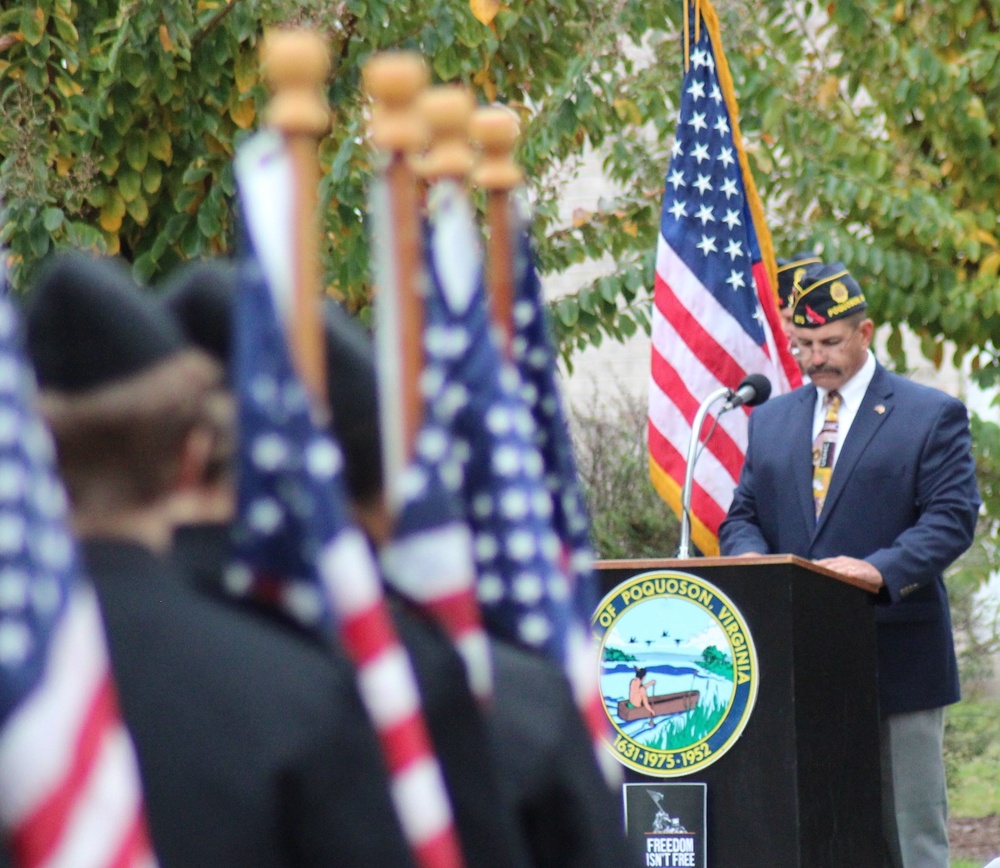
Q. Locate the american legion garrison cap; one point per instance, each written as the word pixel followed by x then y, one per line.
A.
pixel 88 324
pixel 828 293
pixel 790 274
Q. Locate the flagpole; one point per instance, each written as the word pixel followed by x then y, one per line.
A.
pixel 495 131
pixel 446 111
pixel 296 64
pixel 393 81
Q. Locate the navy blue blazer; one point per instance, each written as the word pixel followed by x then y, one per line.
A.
pixel 903 496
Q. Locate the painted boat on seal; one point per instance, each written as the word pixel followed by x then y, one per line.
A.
pixel 663 706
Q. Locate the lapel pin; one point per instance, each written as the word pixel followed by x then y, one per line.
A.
pixel 880 409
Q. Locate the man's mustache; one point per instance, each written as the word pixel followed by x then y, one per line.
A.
pixel 823 369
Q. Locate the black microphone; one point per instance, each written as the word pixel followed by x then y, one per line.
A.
pixel 755 389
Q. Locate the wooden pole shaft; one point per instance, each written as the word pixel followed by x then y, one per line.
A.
pixel 500 264
pixel 394 80
pixel 296 65
pixel 306 330
pixel 404 197
pixel 495 130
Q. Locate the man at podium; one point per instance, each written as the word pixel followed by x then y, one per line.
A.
pixel 872 476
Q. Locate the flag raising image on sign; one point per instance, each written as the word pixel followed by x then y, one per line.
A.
pixel 714 315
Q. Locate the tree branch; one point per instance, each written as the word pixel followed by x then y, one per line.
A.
pixel 212 23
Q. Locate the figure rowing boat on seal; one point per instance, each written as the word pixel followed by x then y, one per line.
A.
pixel 640 703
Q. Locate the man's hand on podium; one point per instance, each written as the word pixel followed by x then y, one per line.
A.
pixel 855 568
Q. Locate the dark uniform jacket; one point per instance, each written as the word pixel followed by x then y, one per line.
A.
pixel 903 496
pixel 548 768
pixel 486 827
pixel 253 749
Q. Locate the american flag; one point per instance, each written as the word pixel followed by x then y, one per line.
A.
pixel 295 544
pixel 714 314
pixel 533 352
pixel 430 559
pixel 69 783
pixel 524 593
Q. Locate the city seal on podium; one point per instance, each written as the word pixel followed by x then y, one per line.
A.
pixel 678 672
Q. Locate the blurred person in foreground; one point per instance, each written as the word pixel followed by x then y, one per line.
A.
pixel 539 772
pixel 252 749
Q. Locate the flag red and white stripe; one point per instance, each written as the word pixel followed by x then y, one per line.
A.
pixel 434 568
pixel 70 792
pixel 69 783
pixel 388 689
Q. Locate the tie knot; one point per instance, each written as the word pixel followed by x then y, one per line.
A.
pixel 832 399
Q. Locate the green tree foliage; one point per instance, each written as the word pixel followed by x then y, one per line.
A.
pixel 119 121
pixel 628 518
pixel 977 623
pixel 871 129
pixel 878 142
pixel 716 661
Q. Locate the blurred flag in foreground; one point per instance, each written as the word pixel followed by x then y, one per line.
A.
pixel 295 543
pixel 69 784
pixel 534 354
pixel 430 557
pixel 524 594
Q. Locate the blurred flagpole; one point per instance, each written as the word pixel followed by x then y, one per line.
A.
pixel 429 558
pixel 295 65
pixel 521 318
pixel 393 80
pixel 495 130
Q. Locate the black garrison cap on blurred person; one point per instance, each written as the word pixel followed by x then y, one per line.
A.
pixel 200 297
pixel 790 274
pixel 828 293
pixel 89 324
pixel 352 387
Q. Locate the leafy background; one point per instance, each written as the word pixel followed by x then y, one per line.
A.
pixel 871 128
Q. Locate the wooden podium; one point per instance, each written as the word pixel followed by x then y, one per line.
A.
pixel 801 786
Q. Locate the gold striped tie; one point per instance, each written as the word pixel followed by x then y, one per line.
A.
pixel 823 448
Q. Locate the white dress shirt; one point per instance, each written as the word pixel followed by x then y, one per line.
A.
pixel 852 393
